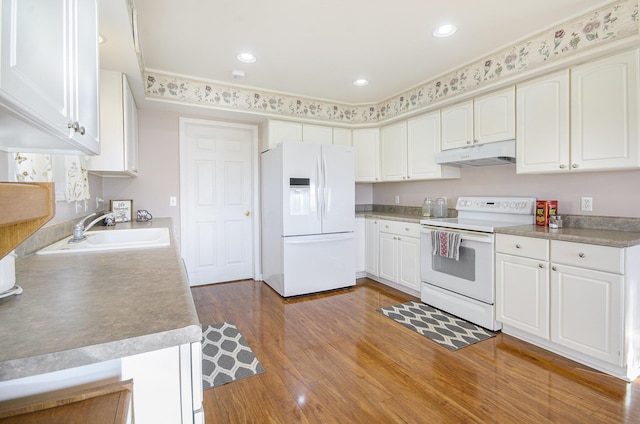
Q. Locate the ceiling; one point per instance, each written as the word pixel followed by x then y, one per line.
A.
pixel 317 48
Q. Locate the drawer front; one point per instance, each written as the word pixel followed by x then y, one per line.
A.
pixel 400 228
pixel 528 247
pixel 590 256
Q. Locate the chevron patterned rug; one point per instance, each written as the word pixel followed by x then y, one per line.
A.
pixel 451 332
pixel 226 356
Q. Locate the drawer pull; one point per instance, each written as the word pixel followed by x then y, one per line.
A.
pixel 540 266
pixel 518 246
pixel 554 268
pixel 406 229
pixel 582 255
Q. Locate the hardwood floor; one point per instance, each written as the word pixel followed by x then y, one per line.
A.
pixel 331 358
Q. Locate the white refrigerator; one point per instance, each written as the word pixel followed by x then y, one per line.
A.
pixel 308 217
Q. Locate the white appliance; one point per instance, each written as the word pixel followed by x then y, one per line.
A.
pixel 308 218
pixel 466 287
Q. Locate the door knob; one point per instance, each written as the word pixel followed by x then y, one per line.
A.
pixel 247 213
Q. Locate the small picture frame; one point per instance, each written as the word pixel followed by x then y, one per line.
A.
pixel 124 209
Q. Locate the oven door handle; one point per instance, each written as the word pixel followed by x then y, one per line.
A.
pixel 465 235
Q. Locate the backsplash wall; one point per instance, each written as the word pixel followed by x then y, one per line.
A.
pixel 614 193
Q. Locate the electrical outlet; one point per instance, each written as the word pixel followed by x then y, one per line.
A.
pixel 173 201
pixel 586 204
pixel 397 199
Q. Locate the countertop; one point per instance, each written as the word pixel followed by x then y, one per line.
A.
pixel 578 235
pixel 415 219
pixel 84 308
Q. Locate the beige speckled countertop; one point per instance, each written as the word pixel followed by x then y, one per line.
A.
pixel 83 308
pixel 391 216
pixel 578 235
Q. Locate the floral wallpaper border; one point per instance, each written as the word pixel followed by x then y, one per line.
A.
pixel 615 21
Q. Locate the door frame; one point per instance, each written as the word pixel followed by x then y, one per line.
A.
pixel 255 188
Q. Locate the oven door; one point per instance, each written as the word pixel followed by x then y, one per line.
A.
pixel 471 275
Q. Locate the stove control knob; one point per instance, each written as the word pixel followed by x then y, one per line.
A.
pixel 512 205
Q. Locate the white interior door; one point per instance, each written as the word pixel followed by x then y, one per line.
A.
pixel 216 208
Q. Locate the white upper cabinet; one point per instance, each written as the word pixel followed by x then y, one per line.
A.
pixel 49 76
pixel 393 152
pixel 484 119
pixel 366 143
pixel 118 130
pixel 408 150
pixel 542 141
pixel 605 114
pixel 585 121
pixel 342 136
pixel 317 134
pixel 457 126
pixel 423 143
pixel 279 131
pixel 494 116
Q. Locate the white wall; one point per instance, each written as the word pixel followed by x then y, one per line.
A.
pixel 158 168
pixel 614 193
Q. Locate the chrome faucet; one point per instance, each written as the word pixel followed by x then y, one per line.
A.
pixel 79 229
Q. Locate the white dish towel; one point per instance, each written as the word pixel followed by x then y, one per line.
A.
pixel 446 244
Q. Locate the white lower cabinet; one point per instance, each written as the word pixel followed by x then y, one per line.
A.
pixel 580 303
pixel 371 247
pixel 399 255
pixel 360 233
pixel 522 293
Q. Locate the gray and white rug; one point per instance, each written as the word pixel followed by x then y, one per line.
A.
pixel 226 356
pixel 449 331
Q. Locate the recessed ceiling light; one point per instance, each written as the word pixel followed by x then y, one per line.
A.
pixel 361 82
pixel 444 30
pixel 246 58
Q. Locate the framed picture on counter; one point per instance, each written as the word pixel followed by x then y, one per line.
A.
pixel 123 208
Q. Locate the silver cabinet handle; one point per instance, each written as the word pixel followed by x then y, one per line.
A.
pixel 563 166
pixel 575 165
pixel 582 255
pixel 540 266
pixel 469 142
pixel 554 268
pixel 518 246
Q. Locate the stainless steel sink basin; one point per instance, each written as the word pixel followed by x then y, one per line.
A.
pixel 97 241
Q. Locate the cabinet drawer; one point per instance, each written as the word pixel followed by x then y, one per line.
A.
pixel 528 247
pixel 590 256
pixel 400 228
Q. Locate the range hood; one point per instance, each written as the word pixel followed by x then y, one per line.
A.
pixel 489 154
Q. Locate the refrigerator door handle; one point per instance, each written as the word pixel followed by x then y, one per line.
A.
pixel 318 174
pixel 326 204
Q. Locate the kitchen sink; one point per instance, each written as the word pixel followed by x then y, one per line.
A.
pixel 98 241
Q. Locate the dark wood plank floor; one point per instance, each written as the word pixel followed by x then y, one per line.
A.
pixel 331 358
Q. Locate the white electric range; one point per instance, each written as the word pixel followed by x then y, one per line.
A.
pixel 466 287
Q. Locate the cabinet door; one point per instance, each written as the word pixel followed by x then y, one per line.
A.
pixel 84 84
pixel 371 246
pixel 367 150
pixel 604 113
pixel 522 294
pixel 494 117
pixel 423 143
pixel 409 262
pixel 34 72
pixel 393 152
pixel 317 134
pixel 360 235
pixel 388 253
pixel 130 129
pixel 342 136
pixel 587 310
pixel 542 140
pixel 279 131
pixel 457 126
